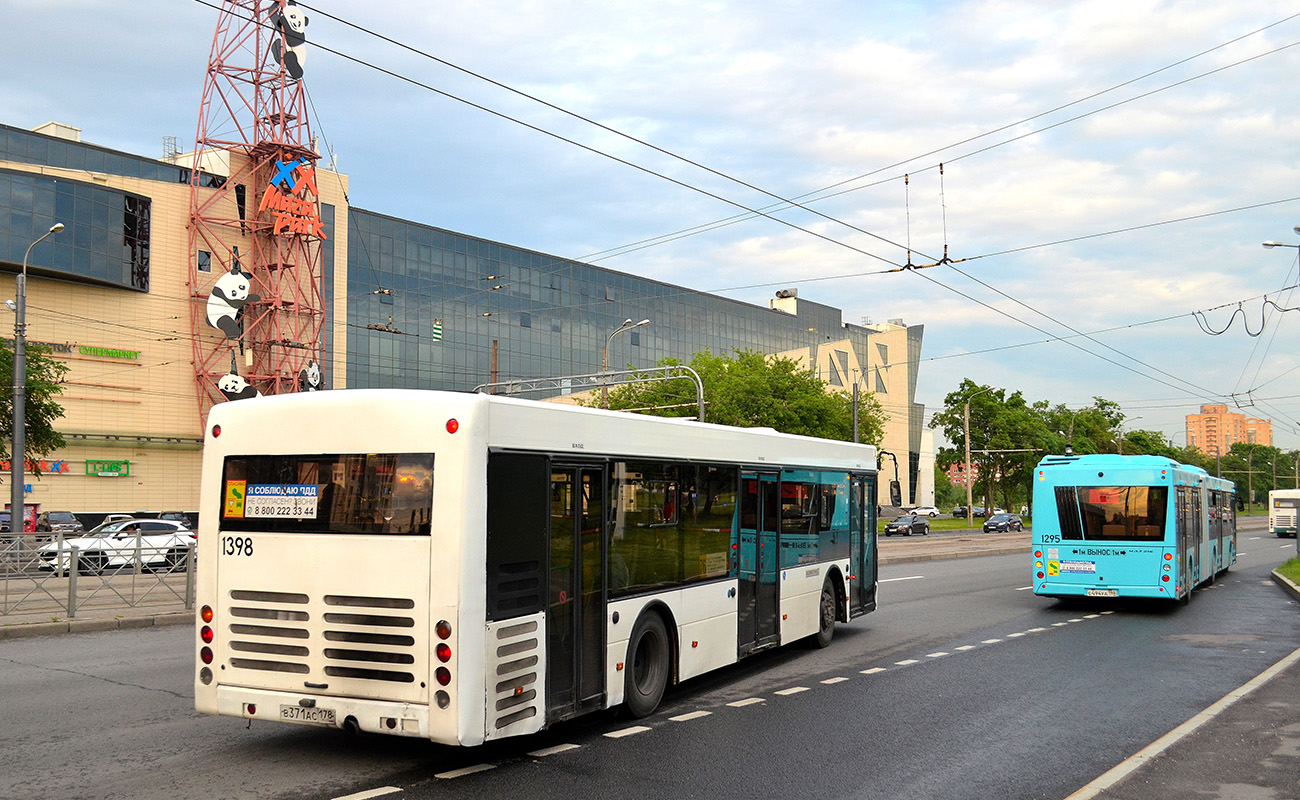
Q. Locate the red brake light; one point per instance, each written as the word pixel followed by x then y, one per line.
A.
pixel 452 426
pixel 206 634
pixel 205 613
pixel 443 675
pixel 206 655
pixel 1169 556
pixel 216 431
pixel 443 629
pixel 444 652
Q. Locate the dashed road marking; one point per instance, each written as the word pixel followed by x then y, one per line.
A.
pixel 908 578
pixel 830 681
pixel 1035 630
pixel 556 750
pixel 1059 624
pixel 966 647
pixel 369 793
pixel 690 716
pixel 1015 635
pixel 990 641
pixel 463 771
pixel 906 662
pixel 748 701
pixel 792 690
pixel 936 655
pixel 872 671
pixel 632 731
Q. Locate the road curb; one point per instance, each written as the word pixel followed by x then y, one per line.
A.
pixel 1287 585
pixel 23 630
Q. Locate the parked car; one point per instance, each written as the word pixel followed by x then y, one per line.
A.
pixel 1004 522
pixel 58 522
pixel 4 523
pixel 978 511
pixel 116 517
pixel 926 511
pixel 993 511
pixel 162 543
pixel 959 511
pixel 178 516
pixel 908 524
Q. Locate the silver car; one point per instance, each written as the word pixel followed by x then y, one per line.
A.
pixel 153 542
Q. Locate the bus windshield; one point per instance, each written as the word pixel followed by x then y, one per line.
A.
pixel 374 493
pixel 1113 513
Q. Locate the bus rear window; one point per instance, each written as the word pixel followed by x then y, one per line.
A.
pixel 1113 513
pixel 372 493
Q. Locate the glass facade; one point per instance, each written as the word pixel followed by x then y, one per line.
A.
pixel 547 316
pixel 106 239
pixel 29 147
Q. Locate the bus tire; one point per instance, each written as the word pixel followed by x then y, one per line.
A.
pixel 826 612
pixel 648 663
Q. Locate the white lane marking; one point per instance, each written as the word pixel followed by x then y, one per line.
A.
pixel 966 647
pixel 908 578
pixel 990 641
pixel 1076 619
pixel 1014 635
pixel 1059 624
pixel 463 771
pixel 830 681
pixel 1104 613
pixel 691 716
pixel 905 663
pixel 748 701
pixel 792 690
pixel 369 793
pixel 1022 588
pixel 1092 616
pixel 1035 630
pixel 872 671
pixel 632 731
pixel 1252 538
pixel 551 751
pixel 1286 547
pixel 936 655
pixel 1133 762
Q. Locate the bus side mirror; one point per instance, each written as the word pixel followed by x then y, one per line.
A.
pixel 895 493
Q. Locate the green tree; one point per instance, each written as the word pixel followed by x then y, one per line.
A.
pixel 40 411
pixel 749 389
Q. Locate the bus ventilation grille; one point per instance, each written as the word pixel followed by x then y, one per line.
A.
pixel 364 638
pixel 515 655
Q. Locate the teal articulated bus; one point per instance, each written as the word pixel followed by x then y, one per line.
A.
pixel 1129 526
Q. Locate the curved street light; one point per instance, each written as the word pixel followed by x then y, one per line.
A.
pixel 1271 245
pixel 627 325
pixel 17 521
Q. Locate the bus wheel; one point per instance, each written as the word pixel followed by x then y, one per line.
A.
pixel 826 616
pixel 646 673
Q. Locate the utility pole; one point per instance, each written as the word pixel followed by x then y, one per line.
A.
pixel 970 512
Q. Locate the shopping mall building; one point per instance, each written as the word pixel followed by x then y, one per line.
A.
pixel 406 305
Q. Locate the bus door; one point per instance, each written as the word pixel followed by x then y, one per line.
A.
pixel 1186 556
pixel 760 519
pixel 862 547
pixel 575 640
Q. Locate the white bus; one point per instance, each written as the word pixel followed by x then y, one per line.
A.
pixel 464 567
pixel 1282 505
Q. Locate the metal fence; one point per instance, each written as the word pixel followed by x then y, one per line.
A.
pixel 44 573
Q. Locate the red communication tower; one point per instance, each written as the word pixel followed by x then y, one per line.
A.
pixel 255 230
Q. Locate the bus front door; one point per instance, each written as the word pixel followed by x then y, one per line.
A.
pixel 862 547
pixel 575 641
pixel 760 509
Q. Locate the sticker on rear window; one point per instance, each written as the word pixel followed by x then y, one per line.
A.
pixel 281 500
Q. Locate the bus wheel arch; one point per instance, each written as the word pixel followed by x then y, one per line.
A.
pixel 830 607
pixel 651 661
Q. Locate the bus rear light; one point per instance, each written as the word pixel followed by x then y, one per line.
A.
pixel 443 699
pixel 206 634
pixel 444 652
pixel 1040 575
pixel 251 708
pixel 1038 554
pixel 1164 578
pixel 216 431
pixel 206 613
pixel 443 629
pixel 206 654
pixel 443 675
pixel 452 426
pixel 1169 556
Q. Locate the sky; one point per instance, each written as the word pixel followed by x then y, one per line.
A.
pixel 1110 169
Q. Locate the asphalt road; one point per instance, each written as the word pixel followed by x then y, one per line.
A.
pixel 963 685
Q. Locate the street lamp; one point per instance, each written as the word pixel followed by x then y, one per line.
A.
pixel 970 513
pixel 627 325
pixel 1119 442
pixel 17 521
pixel 1271 245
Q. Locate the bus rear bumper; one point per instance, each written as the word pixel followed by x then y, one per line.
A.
pixel 371 716
pixel 1058 589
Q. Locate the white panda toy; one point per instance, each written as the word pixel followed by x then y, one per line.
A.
pixel 229 296
pixel 290 48
pixel 309 379
pixel 234 387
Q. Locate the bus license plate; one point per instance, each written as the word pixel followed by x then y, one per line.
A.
pixel 309 716
pixel 1103 593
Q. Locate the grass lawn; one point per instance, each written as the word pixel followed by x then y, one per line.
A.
pixel 1291 569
